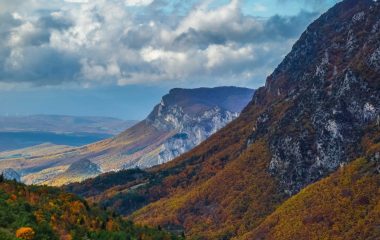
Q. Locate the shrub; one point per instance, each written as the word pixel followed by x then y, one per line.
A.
pixel 25 233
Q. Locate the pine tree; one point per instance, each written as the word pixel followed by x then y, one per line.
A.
pixel 1 177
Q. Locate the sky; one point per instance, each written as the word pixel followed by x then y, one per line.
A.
pixel 118 57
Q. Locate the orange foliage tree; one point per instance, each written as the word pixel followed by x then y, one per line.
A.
pixel 26 233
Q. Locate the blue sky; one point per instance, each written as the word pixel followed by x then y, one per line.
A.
pixel 118 57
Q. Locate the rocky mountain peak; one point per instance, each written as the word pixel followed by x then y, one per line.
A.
pixel 189 106
pixel 318 102
pixel 192 115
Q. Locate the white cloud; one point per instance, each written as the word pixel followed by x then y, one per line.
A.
pixel 94 72
pixel 149 54
pixel 76 1
pixel 204 19
pixel 138 2
pixel 219 55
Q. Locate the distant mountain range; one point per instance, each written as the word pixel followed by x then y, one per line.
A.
pixel 25 131
pixel 64 124
pixel 183 119
pixel 10 141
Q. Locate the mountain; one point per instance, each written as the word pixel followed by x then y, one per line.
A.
pixel 187 117
pixel 300 162
pixel 18 132
pixel 30 212
pixel 182 120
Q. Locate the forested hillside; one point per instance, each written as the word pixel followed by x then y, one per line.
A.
pixel 45 213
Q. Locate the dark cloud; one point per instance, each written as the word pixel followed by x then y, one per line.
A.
pixel 280 27
pixel 50 22
pixel 274 29
pixel 43 66
pixel 7 21
pixel 138 38
pixel 200 39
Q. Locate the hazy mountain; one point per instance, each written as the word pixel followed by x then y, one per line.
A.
pixel 18 140
pixel 64 124
pixel 18 132
pixel 302 160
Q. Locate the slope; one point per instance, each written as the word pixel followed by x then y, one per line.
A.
pixel 344 205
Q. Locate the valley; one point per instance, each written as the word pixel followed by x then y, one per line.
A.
pixel 296 159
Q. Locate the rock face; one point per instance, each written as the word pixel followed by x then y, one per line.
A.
pixel 188 117
pixel 11 174
pixel 191 131
pixel 192 116
pixel 329 86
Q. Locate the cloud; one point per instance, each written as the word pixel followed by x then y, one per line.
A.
pixel 97 42
pixel 76 1
pixel 138 2
pixel 40 66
